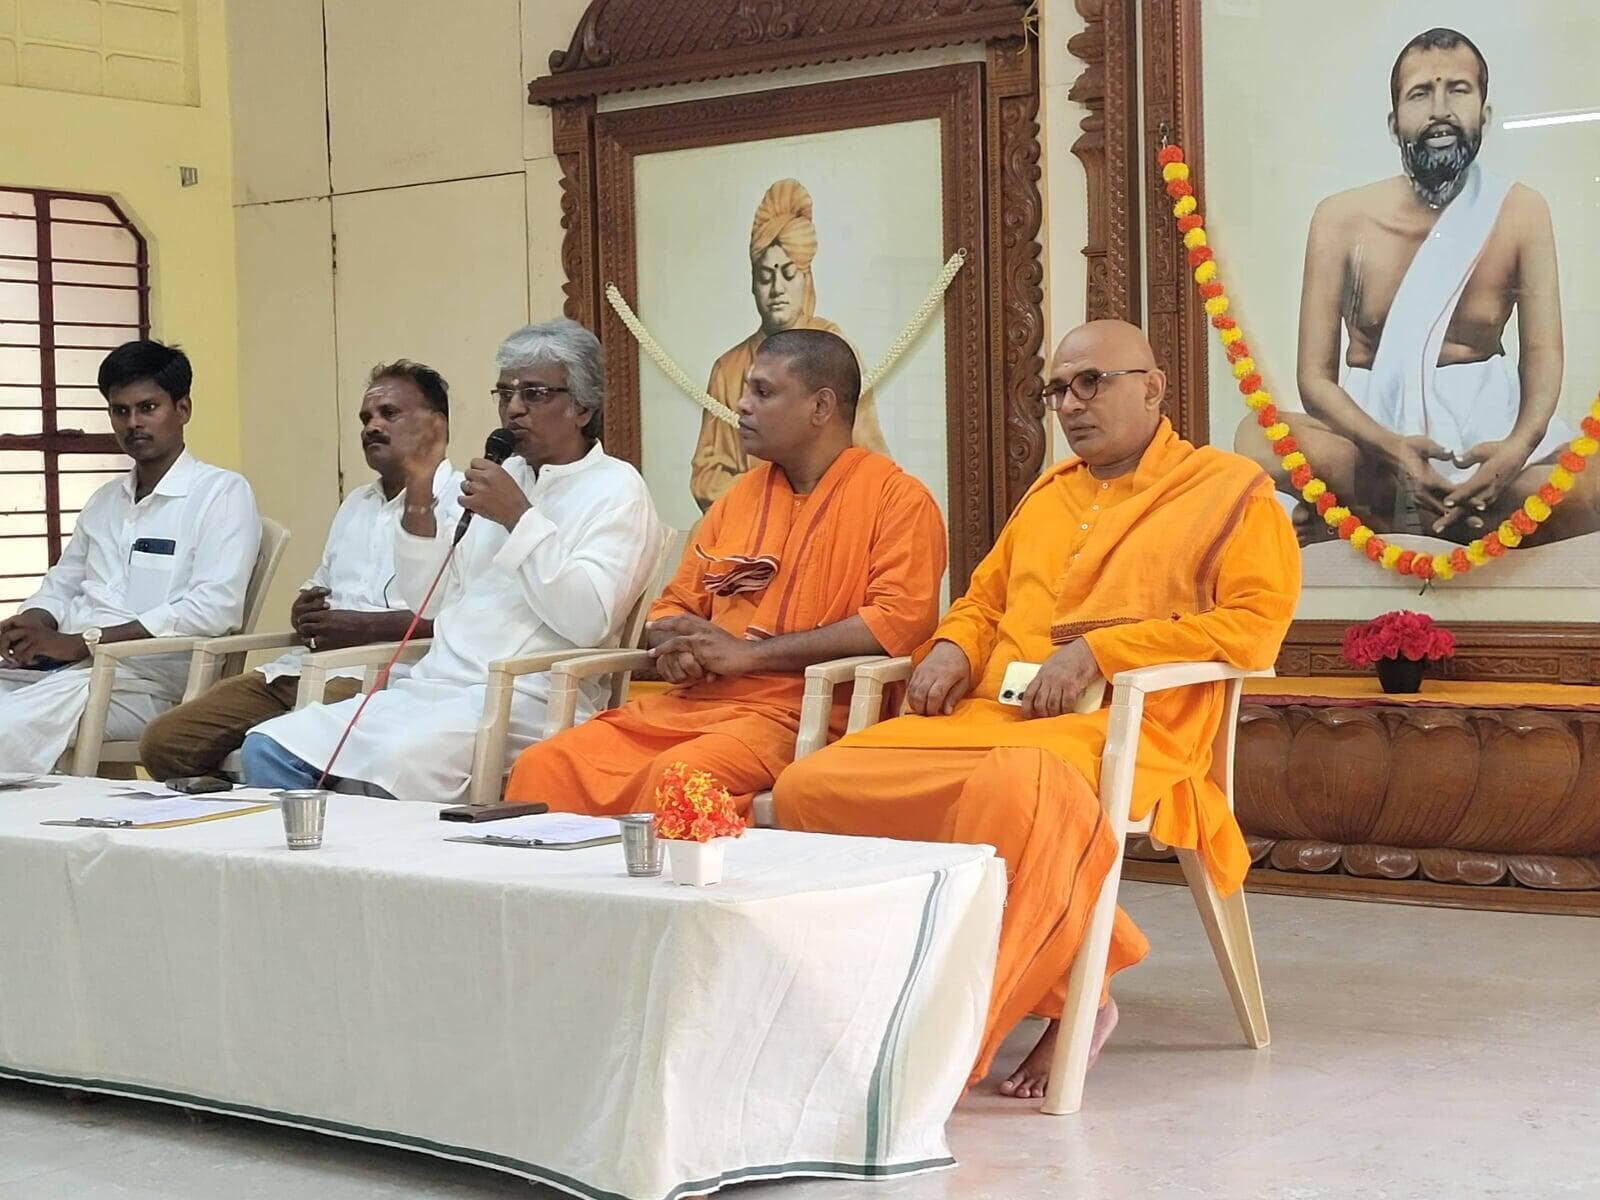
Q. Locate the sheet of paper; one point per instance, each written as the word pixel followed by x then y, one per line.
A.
pixel 176 808
pixel 557 829
pixel 145 791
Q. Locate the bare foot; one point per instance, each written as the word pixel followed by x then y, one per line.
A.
pixel 1028 1081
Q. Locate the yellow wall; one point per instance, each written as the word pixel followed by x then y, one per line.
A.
pixel 131 150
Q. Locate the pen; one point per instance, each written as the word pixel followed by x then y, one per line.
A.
pixel 94 823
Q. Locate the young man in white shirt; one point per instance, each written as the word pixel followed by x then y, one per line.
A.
pixel 164 551
pixel 351 599
pixel 563 541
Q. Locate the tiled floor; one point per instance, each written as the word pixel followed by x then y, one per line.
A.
pixel 1417 1053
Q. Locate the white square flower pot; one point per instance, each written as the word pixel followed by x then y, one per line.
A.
pixel 697 864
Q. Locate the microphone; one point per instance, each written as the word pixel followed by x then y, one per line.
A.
pixel 497 447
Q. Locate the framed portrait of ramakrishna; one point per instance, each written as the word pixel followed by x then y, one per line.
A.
pixel 1404 196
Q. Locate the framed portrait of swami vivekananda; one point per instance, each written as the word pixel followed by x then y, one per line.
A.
pixel 830 204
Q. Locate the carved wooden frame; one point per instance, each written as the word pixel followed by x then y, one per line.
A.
pixel 994 320
pixel 1545 652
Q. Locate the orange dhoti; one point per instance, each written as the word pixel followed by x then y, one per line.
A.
pixel 611 764
pixel 1036 810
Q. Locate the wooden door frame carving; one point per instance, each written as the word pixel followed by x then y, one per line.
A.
pixel 989 111
pixel 1520 651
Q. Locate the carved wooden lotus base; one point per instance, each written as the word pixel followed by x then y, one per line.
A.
pixel 1507 797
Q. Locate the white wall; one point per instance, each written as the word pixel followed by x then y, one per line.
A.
pixel 395 196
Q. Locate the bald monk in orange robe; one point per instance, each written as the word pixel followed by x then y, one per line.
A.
pixel 824 551
pixel 1140 550
pixel 783 241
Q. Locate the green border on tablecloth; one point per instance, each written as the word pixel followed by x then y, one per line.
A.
pixel 499 1162
pixel 880 1097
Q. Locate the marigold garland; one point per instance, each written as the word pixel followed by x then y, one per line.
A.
pixel 1532 513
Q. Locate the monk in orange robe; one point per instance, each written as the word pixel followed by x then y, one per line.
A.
pixel 824 551
pixel 783 242
pixel 1141 549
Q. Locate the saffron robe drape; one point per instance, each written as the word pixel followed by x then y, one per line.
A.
pixel 1188 558
pixel 868 541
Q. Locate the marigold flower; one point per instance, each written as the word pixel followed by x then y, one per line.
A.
pixel 1216 306
pixel 1300 476
pixel 1285 445
pixel 1195 237
pixel 1243 367
pixel 1208 290
pixel 1175 170
pixel 1250 383
pixel 1259 400
pixel 1348 526
pixel 1185 206
pixel 1405 560
pixel 1170 154
pixel 1492 545
pixel 1361 536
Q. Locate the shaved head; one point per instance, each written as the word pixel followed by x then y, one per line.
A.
pixel 819 359
pixel 1113 364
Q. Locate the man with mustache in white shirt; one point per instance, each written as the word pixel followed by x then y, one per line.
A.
pixel 351 599
pixel 163 551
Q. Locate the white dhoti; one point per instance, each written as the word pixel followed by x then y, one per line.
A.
pixel 40 711
pixel 416 738
pixel 1406 390
pixel 1469 403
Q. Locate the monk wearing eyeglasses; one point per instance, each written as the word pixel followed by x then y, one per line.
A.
pixel 1140 549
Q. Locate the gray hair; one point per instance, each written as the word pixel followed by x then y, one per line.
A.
pixel 569 344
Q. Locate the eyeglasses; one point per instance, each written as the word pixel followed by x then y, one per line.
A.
pixel 530 393
pixel 1085 385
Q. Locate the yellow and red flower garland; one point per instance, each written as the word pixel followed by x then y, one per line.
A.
pixel 1534 511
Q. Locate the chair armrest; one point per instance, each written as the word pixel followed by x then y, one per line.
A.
pixel 211 655
pixel 866 703
pixel 1166 676
pixel 102 675
pixel 489 745
pixel 117 651
pixel 316 669
pixel 561 708
pixel 817 704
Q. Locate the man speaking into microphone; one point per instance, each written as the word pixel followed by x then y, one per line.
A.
pixel 559 542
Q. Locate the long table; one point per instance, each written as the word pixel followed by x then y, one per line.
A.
pixel 534 1011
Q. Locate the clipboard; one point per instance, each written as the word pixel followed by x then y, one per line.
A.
pixel 128 823
pixel 528 843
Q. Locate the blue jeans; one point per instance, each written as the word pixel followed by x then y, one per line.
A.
pixel 269 765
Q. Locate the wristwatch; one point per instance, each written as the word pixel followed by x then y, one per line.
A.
pixel 91 639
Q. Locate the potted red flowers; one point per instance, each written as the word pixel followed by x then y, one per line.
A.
pixel 695 816
pixel 1400 644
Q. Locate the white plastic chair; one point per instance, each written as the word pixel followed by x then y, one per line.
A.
pixel 90 750
pixel 1226 921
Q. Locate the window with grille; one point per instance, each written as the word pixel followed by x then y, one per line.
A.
pixel 74 283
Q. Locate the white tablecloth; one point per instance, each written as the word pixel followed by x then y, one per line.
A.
pixel 535 1011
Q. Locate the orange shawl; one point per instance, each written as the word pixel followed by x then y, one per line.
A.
pixel 810 567
pixel 1131 567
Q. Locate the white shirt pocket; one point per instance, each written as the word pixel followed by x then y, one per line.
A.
pixel 150 566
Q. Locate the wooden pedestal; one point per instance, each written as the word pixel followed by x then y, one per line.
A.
pixel 1420 803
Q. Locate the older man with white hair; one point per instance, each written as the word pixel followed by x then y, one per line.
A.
pixel 563 542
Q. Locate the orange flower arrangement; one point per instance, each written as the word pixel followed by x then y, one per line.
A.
pixel 691 806
pixel 1533 512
